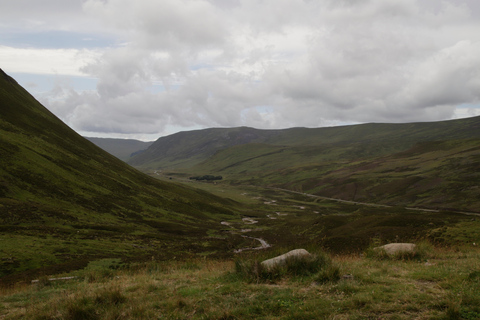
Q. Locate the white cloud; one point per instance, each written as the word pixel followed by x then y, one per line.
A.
pixel 46 61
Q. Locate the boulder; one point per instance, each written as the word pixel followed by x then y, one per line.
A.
pixel 394 248
pixel 281 260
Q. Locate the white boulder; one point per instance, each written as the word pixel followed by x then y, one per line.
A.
pixel 281 260
pixel 394 248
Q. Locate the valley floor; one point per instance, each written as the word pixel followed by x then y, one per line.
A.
pixel 442 285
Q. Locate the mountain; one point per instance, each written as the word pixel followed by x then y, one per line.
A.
pixel 186 149
pixel 64 201
pixel 123 149
pixel 429 164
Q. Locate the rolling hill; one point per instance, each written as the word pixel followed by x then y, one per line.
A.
pixel 186 149
pixel 65 201
pixel 431 165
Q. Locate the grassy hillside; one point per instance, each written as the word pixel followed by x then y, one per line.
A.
pixel 432 165
pixel 64 201
pixel 123 149
pixel 434 174
pixel 186 149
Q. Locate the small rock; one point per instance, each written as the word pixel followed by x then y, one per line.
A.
pixel 348 277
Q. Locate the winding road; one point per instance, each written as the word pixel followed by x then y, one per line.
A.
pixel 372 204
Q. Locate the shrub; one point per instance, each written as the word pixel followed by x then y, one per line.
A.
pixel 112 296
pixel 80 309
pixel 329 274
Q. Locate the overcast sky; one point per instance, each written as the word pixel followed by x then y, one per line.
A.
pixel 144 69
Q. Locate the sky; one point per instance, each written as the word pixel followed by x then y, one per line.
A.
pixel 145 69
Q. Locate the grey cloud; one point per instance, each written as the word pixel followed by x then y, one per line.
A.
pixel 162 24
pixel 360 61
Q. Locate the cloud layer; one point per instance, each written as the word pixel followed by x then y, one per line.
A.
pixel 180 64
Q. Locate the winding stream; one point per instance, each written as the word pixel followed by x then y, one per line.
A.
pixel 263 245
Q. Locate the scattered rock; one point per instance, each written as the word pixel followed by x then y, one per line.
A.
pixel 281 260
pixel 394 248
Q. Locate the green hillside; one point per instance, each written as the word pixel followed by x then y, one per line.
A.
pixel 434 174
pixel 123 149
pixel 64 201
pixel 431 165
pixel 186 149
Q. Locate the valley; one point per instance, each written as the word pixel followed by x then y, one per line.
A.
pixel 70 210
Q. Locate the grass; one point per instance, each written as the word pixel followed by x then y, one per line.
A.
pixel 357 288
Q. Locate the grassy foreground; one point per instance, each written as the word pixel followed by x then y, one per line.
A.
pixel 443 284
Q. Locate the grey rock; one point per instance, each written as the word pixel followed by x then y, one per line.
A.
pixel 394 248
pixel 281 260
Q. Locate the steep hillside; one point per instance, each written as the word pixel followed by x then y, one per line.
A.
pixel 63 200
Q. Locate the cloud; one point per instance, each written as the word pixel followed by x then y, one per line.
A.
pixel 166 24
pixel 270 64
pixel 47 61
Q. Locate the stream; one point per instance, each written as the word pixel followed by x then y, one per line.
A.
pixel 263 244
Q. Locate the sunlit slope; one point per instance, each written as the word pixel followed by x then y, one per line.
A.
pixel 54 182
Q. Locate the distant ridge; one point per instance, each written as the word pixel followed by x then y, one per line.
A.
pixel 189 148
pixel 123 149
